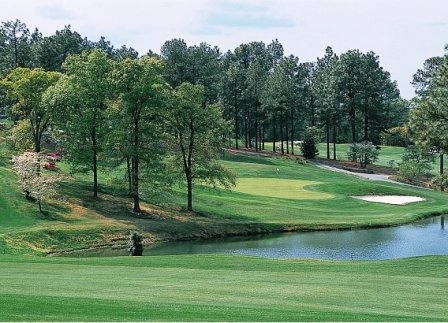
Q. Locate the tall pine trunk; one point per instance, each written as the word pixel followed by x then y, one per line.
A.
pixel 327 134
pixel 95 166
pixel 128 165
pixel 189 192
pixel 334 138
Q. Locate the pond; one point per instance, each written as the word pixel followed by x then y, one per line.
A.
pixel 421 238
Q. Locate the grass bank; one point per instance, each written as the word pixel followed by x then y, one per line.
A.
pixel 221 288
pixel 272 194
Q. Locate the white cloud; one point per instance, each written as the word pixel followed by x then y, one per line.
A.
pixel 403 32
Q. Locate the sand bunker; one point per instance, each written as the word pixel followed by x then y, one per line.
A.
pixel 390 199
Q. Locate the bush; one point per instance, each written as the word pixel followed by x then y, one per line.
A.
pixel 441 181
pixel 364 153
pixel 308 145
pixel 136 244
pixel 409 170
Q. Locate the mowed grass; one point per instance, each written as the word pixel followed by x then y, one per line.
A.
pixel 387 154
pixel 274 194
pixel 221 288
pixel 280 188
pixel 340 211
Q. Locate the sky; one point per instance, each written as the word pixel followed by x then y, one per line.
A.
pixel 402 32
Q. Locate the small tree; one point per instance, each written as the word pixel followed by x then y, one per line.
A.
pixel 34 184
pixel 415 163
pixel 198 131
pixel 136 244
pixel 308 146
pixel 364 153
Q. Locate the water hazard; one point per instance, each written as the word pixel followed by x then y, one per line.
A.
pixel 421 238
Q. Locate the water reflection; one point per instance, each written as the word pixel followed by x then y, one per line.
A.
pixel 426 237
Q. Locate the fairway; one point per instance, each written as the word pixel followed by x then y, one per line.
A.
pixel 280 188
pixel 221 288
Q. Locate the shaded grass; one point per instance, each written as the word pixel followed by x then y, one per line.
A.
pixel 222 288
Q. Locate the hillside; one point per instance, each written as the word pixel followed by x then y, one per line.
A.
pixel 272 194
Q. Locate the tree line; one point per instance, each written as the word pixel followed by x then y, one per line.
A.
pixel 159 114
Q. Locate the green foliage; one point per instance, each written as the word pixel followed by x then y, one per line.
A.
pixel 136 244
pixel 396 136
pixel 415 163
pixel 136 126
pixel 21 138
pixel 441 181
pixel 26 87
pixel 198 131
pixel 364 153
pixel 309 143
pixel 80 99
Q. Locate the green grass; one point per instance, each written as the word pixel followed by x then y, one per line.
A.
pixel 221 288
pixel 296 197
pixel 387 154
pixel 280 188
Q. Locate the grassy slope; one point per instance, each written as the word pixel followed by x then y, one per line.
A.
pixel 224 288
pixel 75 220
pixel 387 153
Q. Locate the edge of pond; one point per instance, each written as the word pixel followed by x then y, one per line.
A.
pixel 250 233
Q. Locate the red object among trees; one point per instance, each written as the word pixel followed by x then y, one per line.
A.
pixel 54 156
pixel 50 165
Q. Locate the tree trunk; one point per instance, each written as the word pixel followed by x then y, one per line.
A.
pixel 327 134
pixel 287 137
pixel 292 131
pixel 262 137
pixel 282 148
pixel 40 206
pixel 246 135
pixel 366 126
pixel 37 146
pixel 441 164
pixel 274 135
pixel 135 167
pixel 256 127
pixel 128 165
pixel 334 138
pixel 135 184
pixel 353 125
pixel 95 166
pixel 190 193
pixel 236 128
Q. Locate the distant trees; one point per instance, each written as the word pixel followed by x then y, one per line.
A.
pixel 161 115
pixel 429 114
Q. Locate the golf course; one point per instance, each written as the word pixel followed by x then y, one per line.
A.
pixel 223 161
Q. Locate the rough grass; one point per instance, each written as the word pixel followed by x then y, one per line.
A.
pixel 221 288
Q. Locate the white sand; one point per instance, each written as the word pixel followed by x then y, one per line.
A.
pixel 390 199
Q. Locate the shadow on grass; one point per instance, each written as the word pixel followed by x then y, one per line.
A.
pixel 247 159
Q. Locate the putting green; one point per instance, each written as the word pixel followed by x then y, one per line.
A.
pixel 280 188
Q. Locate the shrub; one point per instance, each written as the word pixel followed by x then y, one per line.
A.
pixel 308 145
pixel 364 153
pixel 441 181
pixel 136 244
pixel 409 170
pixel 415 163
